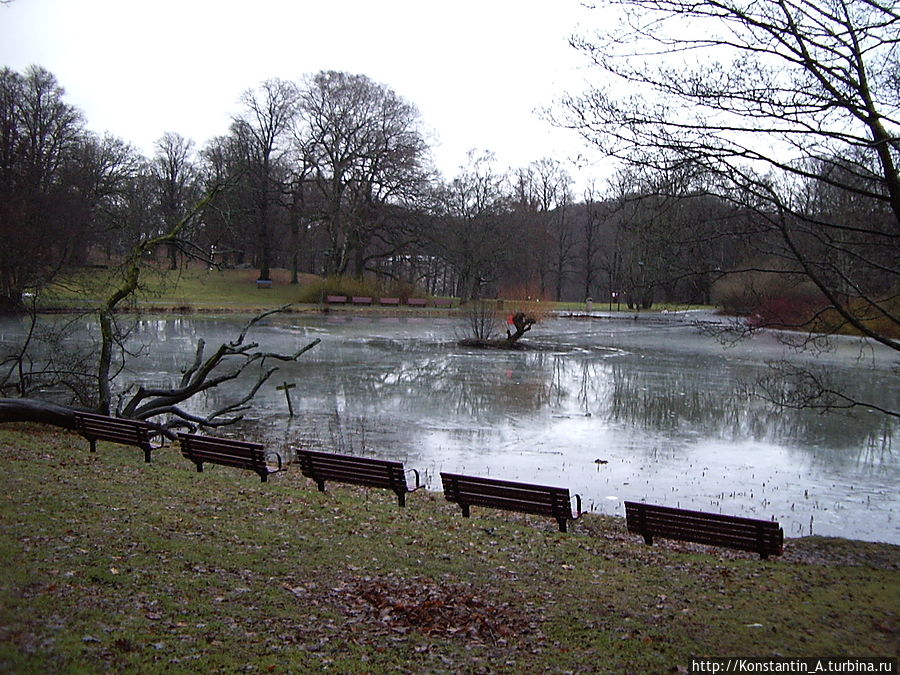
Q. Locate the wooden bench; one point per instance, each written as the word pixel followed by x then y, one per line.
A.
pixel 389 301
pixel 264 283
pixel 540 500
pixel 747 534
pixel 378 473
pixel 416 302
pixel 115 430
pixel 362 300
pixel 336 299
pixel 443 302
pixel 228 452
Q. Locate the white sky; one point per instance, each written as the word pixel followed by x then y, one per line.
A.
pixel 476 69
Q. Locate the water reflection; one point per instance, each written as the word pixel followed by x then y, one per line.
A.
pixel 663 405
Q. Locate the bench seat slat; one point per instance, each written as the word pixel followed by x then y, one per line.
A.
pixel 740 539
pixel 348 462
pixel 713 526
pixel 372 480
pixel 232 460
pixel 125 437
pixel 491 492
pixel 339 474
pixel 228 454
pixel 688 513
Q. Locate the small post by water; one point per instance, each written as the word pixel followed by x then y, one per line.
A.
pixel 286 388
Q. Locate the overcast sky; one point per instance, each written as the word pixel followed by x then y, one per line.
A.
pixel 476 69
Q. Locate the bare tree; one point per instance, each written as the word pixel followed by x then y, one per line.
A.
pixel 768 99
pixel 543 197
pixel 368 160
pixel 20 369
pixel 39 135
pixel 591 241
pixel 262 132
pixel 176 182
pixel 474 231
pixel 791 110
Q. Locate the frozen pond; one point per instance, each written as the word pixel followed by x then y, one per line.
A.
pixel 662 405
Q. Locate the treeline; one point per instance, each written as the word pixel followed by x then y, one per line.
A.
pixel 332 175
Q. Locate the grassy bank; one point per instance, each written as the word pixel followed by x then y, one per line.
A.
pixel 112 565
pixel 235 290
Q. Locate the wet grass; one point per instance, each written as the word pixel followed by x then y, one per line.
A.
pixel 113 565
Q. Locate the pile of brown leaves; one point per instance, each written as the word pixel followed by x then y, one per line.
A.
pixel 392 605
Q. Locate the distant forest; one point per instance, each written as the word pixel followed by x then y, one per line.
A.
pixel 332 176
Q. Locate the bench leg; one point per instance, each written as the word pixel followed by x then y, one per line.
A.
pixel 147 455
pixel 465 509
pixel 401 497
pixel 648 539
pixel 93 442
pixel 321 485
pixel 199 467
pixel 563 525
pixel 264 476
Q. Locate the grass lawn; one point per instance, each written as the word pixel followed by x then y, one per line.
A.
pixel 113 565
pixel 192 289
pixel 229 290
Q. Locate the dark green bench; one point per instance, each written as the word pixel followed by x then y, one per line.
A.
pixel 540 500
pixel 229 452
pixel 114 430
pixel 365 471
pixel 764 537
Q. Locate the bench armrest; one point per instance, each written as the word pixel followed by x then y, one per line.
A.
pixel 418 483
pixel 277 455
pixel 578 511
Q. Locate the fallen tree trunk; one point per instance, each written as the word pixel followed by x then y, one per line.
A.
pixel 33 410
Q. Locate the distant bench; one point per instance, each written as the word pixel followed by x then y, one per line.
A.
pixel 228 452
pixel 416 302
pixel 443 302
pixel 336 299
pixel 264 283
pixel 540 500
pixel 746 534
pixel 115 430
pixel 389 301
pixel 365 471
pixel 362 300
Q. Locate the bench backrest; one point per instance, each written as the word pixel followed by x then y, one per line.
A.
pixel 747 534
pixel 542 500
pixel 367 471
pixel 113 429
pixel 242 454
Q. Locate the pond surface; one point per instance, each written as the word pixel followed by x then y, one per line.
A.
pixel 662 406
